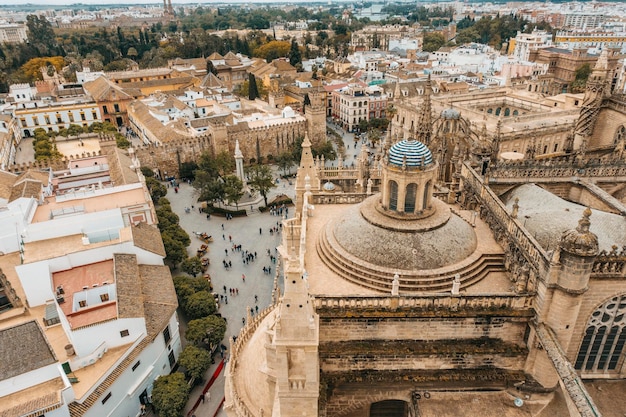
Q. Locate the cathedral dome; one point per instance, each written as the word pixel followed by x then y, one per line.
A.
pixel 414 153
pixel 451 114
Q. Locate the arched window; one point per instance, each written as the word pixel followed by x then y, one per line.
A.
pixel 409 198
pixel 515 112
pixel 498 110
pixel 489 111
pixel 393 195
pixel 603 344
pixel 426 194
pixel 620 135
pixel 507 112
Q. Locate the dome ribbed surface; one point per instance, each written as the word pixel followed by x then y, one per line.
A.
pixel 417 154
pixel 451 114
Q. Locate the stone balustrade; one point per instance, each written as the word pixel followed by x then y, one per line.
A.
pixel 574 387
pixel 425 302
pixel 528 169
pixel 529 246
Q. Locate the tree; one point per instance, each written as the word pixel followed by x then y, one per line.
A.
pixel 261 179
pixel 31 70
pixel 195 360
pixel 147 172
pixel 187 170
pixel 175 251
pixel 580 80
pixel 272 50
pixel 208 330
pixel 253 90
pixel 295 57
pixel 433 41
pixel 170 394
pixel 200 304
pixel 155 188
pixel 211 189
pixel 285 161
pixel 192 265
pixel 233 190
pixel 41 35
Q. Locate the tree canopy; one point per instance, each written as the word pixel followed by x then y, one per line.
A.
pixel 260 179
pixel 195 360
pixel 170 394
pixel 208 330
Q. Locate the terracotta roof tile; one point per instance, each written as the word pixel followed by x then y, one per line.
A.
pixel 23 349
pixel 129 300
pixel 148 237
pixel 159 297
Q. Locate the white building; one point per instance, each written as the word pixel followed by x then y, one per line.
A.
pixel 13 33
pixel 90 319
pixel 526 42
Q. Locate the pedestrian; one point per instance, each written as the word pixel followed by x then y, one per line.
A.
pixel 223 237
pixel 243 320
pixel 243 277
pixel 230 264
pixel 222 226
pixel 257 309
pixel 226 252
pixel 202 397
pixel 260 231
pixel 256 299
pixel 224 289
pixel 226 299
pixel 208 216
pixel 237 291
pixel 230 238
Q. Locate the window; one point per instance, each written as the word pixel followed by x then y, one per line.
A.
pixel 47 119
pixel 105 110
pixel 136 365
pixel 71 116
pixel 59 119
pixel 104 297
pixel 82 116
pixel 106 398
pixel 94 115
pixel 171 358
pixel 82 303
pixel 393 195
pixel 124 333
pixel 166 335
pixel 409 199
pixel 603 343
pixel 117 108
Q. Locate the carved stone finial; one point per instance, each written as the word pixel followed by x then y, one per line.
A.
pixel 395 285
pixel 580 241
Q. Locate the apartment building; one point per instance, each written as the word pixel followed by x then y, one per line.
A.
pixel 358 102
pixel 88 310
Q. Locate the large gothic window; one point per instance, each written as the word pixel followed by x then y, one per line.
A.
pixel 409 198
pixel 393 195
pixel 620 135
pixel 603 344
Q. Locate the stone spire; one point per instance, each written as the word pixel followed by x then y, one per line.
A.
pixel 424 129
pixel 597 86
pixel 306 168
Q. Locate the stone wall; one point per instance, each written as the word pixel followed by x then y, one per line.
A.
pixel 509 329
pixel 168 157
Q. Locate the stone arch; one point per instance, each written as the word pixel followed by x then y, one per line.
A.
pixel 498 111
pixel 515 113
pixel 389 408
pixel 507 112
pixel 602 347
pixel 393 195
pixel 489 110
pixel 410 198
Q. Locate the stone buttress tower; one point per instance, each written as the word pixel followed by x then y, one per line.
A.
pixel 572 265
pixel 576 253
pixel 595 91
pixel 315 115
pixel 424 129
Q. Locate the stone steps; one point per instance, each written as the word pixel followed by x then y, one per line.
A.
pixel 380 279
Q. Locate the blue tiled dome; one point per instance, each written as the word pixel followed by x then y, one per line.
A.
pixel 417 154
pixel 451 114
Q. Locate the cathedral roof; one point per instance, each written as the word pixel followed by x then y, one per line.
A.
pixel 410 153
